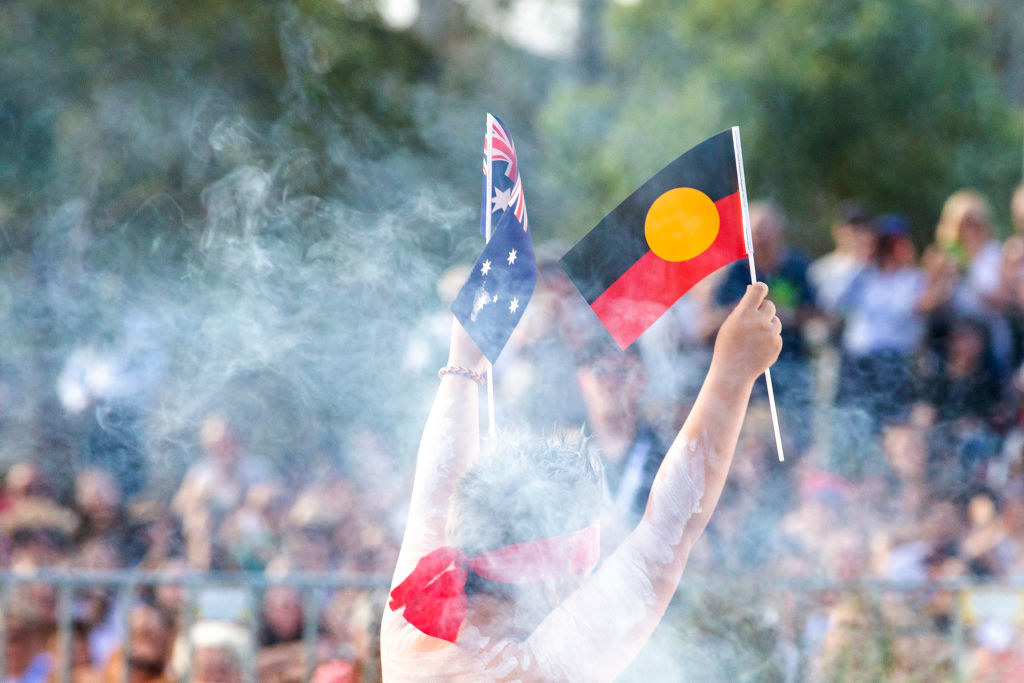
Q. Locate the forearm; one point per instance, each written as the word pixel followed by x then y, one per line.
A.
pixel 706 443
pixel 624 600
pixel 450 442
pixel 448 448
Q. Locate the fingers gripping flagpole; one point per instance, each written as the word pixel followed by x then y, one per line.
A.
pixel 753 277
pixel 487 238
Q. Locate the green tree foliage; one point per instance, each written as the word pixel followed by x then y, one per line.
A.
pixel 898 103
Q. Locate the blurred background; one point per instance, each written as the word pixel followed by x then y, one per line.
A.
pixel 230 230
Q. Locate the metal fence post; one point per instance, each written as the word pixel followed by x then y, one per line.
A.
pixel 65 596
pixel 310 614
pixel 188 622
pixel 124 609
pixel 5 610
pixel 252 645
pixel 958 634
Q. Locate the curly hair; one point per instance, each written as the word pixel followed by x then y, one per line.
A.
pixel 525 490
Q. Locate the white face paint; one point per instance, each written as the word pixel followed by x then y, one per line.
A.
pixel 677 497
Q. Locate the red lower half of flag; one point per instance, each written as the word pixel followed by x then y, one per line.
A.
pixel 651 285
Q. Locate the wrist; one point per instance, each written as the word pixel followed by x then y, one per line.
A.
pixel 461 371
pixel 729 377
pixel 477 364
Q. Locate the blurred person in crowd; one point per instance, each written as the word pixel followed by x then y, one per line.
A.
pixel 155 535
pixel 822 501
pixel 999 657
pixel 152 637
pixel 611 383
pixel 964 268
pixel 513 596
pixel 82 669
pixel 281 616
pixel 114 445
pixel 168 596
pixel 218 653
pixel 984 534
pixel 312 522
pixel 1017 209
pixel 29 632
pixel 250 534
pixel 906 451
pixel 785 272
pixel 969 385
pixel 850 649
pixel 972 406
pixel 220 480
pixel 100 601
pixel 40 532
pixel 98 502
pixel 854 239
pixel 24 480
pixel 964 232
pixel 351 625
pixel 1010 551
pixel 883 327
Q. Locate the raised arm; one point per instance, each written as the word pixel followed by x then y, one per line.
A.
pixel 601 627
pixel 449 445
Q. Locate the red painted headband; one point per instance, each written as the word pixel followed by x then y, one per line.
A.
pixel 434 594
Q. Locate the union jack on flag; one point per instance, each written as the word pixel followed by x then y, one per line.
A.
pixel 494 297
pixel 506 185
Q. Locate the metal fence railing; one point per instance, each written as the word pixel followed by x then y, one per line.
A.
pixel 971 602
pixel 244 587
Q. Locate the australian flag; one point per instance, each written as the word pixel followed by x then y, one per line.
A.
pixel 494 297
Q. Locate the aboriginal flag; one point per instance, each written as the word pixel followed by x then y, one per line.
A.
pixel 678 227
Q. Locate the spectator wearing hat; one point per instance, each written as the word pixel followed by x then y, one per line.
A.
pixel 883 326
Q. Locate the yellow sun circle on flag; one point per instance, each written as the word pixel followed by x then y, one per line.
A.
pixel 681 224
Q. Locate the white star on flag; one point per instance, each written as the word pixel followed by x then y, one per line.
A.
pixel 512 257
pixel 485 267
pixel 514 305
pixel 495 299
pixel 479 301
pixel 501 199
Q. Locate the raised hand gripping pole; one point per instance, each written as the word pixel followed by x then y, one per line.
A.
pixel 753 277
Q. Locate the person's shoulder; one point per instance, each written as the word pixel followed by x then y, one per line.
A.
pixel 793 258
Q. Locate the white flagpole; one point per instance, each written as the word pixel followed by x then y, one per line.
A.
pixel 753 275
pixel 487 237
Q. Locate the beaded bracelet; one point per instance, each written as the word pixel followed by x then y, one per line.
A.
pixel 464 372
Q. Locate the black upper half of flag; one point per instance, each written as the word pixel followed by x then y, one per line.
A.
pixel 618 240
pixel 494 297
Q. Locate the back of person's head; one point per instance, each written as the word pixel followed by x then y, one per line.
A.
pixel 525 490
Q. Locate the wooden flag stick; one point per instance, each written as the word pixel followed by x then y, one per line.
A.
pixel 487 237
pixel 753 276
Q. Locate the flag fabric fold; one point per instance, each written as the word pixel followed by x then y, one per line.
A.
pixel 680 226
pixel 492 301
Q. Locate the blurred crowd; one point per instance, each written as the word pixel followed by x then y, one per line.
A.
pixel 231 513
pixel 900 394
